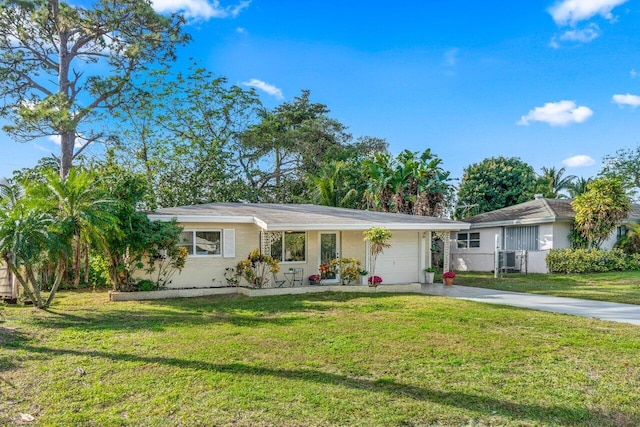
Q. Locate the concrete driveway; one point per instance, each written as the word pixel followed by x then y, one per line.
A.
pixel 615 312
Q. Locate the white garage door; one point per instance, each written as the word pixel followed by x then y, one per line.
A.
pixel 400 262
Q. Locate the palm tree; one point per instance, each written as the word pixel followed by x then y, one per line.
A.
pixel 552 181
pixel 578 187
pixel 331 186
pixel 30 240
pixel 80 206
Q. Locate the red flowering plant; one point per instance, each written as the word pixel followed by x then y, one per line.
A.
pixel 314 278
pixel 449 275
pixel 375 280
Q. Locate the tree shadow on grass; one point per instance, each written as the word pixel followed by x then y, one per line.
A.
pixel 240 311
pixel 552 414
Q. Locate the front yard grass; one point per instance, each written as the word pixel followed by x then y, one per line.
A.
pixel 615 287
pixel 307 360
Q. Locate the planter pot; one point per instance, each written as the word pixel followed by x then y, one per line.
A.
pixel 313 283
pixel 363 280
pixel 448 281
pixel 428 277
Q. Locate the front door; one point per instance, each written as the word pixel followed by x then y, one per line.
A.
pixel 329 251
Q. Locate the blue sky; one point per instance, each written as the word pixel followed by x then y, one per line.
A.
pixel 554 83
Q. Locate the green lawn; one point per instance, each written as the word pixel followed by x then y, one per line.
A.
pixel 325 359
pixel 614 287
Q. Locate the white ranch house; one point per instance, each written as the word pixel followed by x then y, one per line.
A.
pixel 525 233
pixel 218 235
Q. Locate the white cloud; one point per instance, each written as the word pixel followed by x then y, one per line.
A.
pixel 582 36
pixel 265 87
pixel 570 12
pixel 633 74
pixel 200 9
pixel 581 160
pixel 557 114
pixel 628 99
pixel 241 30
pixel 451 57
pixel 56 140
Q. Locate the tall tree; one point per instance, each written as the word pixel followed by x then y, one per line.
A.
pixel 552 182
pixel 494 183
pixel 624 165
pixel 600 210
pixel 410 183
pixel 578 187
pixel 60 64
pixel 181 131
pixel 288 143
pixel 335 185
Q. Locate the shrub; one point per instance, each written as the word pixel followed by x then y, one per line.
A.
pixel 590 261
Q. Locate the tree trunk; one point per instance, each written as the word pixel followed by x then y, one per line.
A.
pixel 67 143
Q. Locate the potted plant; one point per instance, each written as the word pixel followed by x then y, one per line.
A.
pixel 429 273
pixel 314 279
pixel 448 277
pixel 363 277
pixel 374 281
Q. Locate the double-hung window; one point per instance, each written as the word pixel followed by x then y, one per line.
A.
pixel 289 246
pixel 202 242
pixel 468 240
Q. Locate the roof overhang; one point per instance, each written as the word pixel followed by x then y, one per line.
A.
pixel 517 222
pixel 211 219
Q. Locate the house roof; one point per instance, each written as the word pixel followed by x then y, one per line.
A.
pixel 537 211
pixel 278 217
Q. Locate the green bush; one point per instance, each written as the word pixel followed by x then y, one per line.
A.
pixel 590 261
pixel 146 285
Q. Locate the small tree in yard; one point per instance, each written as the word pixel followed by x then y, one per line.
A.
pixel 600 209
pixel 378 237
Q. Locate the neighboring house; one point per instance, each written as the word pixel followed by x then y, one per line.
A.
pixel 218 235
pixel 8 289
pixel 525 233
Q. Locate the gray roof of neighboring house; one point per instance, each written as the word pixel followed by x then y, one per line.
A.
pixel 534 212
pixel 303 217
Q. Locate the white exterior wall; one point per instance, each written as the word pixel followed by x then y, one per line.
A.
pixel 207 271
pixel 402 263
pixel 475 259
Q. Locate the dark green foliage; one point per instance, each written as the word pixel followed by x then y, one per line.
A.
pixel 624 166
pixel 630 242
pixel 411 183
pixel 494 183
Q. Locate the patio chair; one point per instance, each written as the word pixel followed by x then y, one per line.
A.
pixel 277 281
pixel 298 276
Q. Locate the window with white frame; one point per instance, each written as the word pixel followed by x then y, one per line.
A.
pixel 521 238
pixel 468 240
pixel 202 242
pixel 289 246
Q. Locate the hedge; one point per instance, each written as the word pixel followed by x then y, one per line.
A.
pixel 590 261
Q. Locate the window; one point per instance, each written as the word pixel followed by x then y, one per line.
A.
pixel 521 238
pixel 621 232
pixel 202 242
pixel 289 246
pixel 468 240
